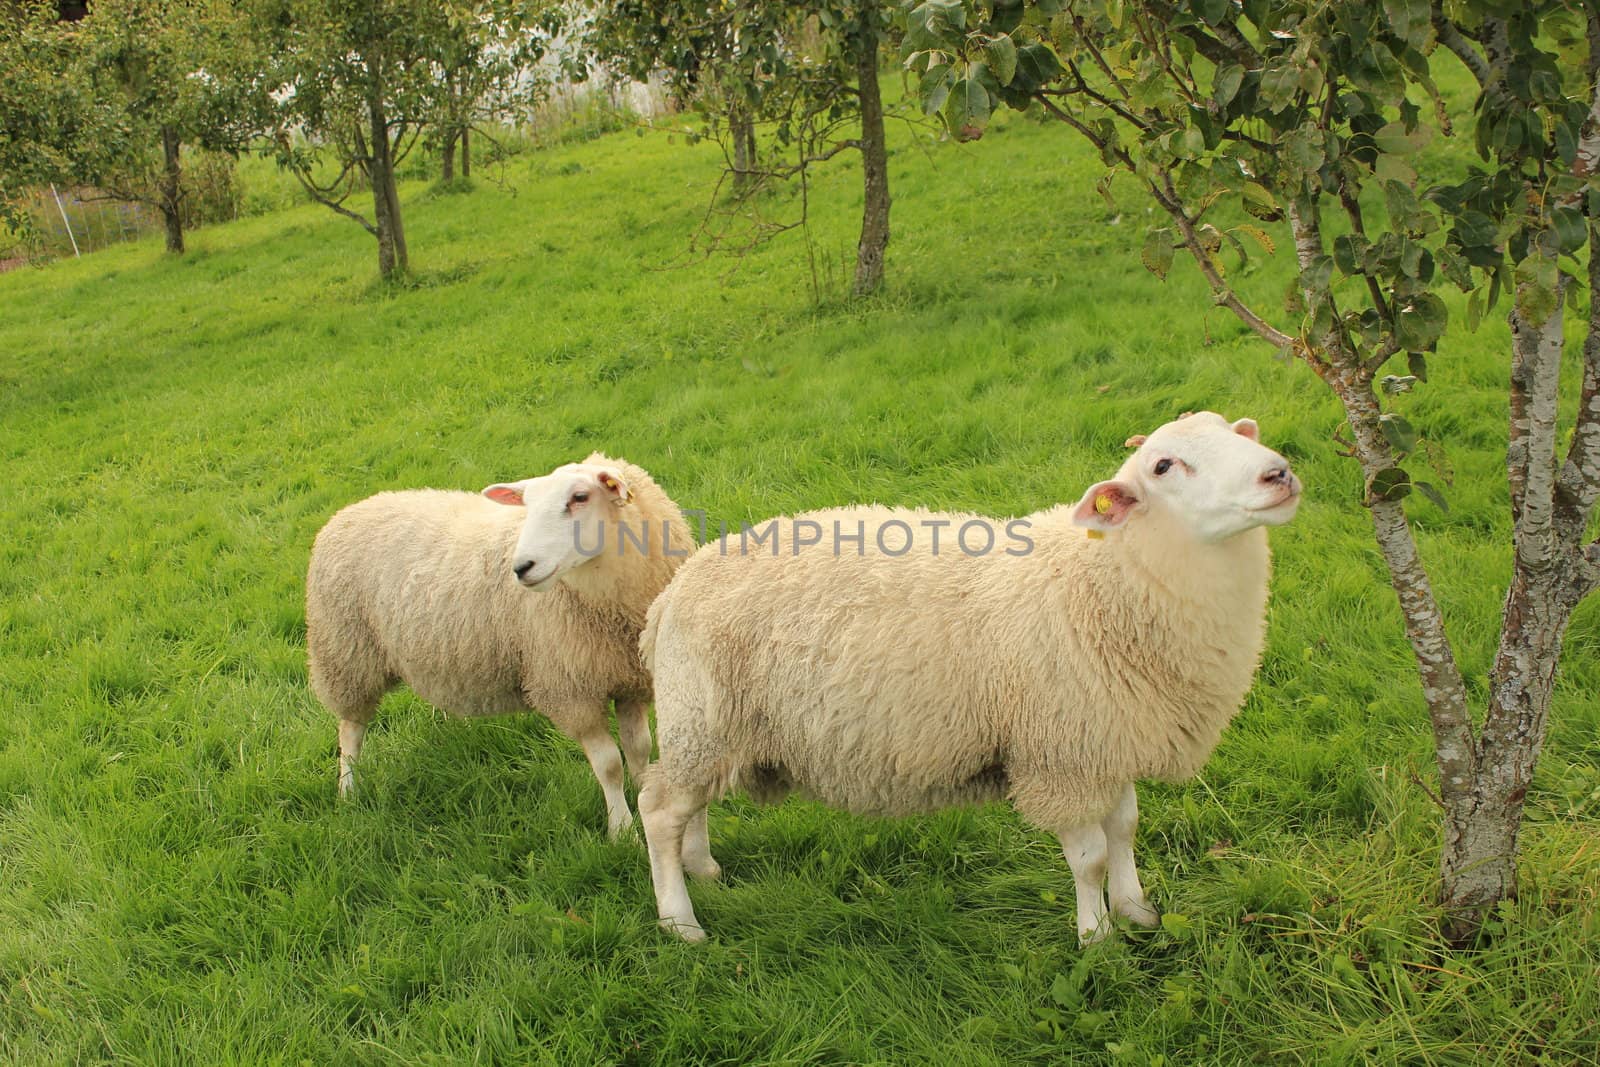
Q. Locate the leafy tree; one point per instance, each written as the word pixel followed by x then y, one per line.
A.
pixel 176 73
pixel 42 115
pixel 808 71
pixel 112 99
pixel 1308 117
pixel 358 82
pixel 490 66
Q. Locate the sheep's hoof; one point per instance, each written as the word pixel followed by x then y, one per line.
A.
pixel 1138 912
pixel 689 931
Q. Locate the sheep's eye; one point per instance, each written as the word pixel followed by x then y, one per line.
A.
pixel 1163 466
pixel 580 498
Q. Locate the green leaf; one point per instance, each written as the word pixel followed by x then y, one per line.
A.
pixel 1037 66
pixel 1416 261
pixel 1000 53
pixel 1225 86
pixel 1279 85
pixel 1318 276
pixel 1260 203
pixel 1213 11
pixel 1399 432
pixel 1065 993
pixel 1391 483
pixel 1177 924
pixel 967 110
pixel 935 87
pixel 1157 254
pixel 1409 20
pixel 1419 322
pixel 1377 71
pixel 1395 139
pixel 1417 363
pixel 1536 279
pixel 1571 228
pixel 1456 269
pixel 1432 493
pixel 1349 253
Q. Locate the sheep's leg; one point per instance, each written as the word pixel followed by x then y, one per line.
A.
pixel 697 858
pixel 1085 849
pixel 351 733
pixel 1122 877
pixel 633 729
pixel 606 762
pixel 666 814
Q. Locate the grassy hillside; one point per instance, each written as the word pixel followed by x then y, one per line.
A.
pixel 178 884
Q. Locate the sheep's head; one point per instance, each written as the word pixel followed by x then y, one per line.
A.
pixel 566 518
pixel 1212 477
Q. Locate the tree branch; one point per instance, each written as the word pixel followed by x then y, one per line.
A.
pixel 335 205
pixel 1578 481
pixel 1450 35
pixel 1530 451
pixel 1172 204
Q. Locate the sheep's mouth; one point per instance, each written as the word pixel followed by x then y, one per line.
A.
pixel 1290 495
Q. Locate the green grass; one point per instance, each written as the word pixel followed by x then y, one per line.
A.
pixel 177 883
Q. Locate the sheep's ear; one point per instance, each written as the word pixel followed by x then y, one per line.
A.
pixel 612 483
pixel 1105 506
pixel 1248 428
pixel 1135 441
pixel 505 493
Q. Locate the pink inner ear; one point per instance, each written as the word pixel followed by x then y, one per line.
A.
pixel 613 484
pixel 1105 505
pixel 1247 428
pixel 1135 441
pixel 504 494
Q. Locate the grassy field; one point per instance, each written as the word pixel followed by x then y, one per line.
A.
pixel 177 883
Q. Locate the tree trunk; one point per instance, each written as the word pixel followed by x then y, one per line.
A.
pixel 874 157
pixel 466 151
pixel 385 199
pixel 742 127
pixel 172 188
pixel 450 157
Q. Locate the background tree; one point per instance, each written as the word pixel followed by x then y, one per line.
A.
pixel 1309 117
pixel 111 100
pixel 358 83
pixel 355 86
pixel 43 116
pixel 808 72
pixel 175 73
pixel 493 64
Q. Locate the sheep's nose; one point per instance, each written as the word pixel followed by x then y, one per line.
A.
pixel 1276 476
pixel 521 570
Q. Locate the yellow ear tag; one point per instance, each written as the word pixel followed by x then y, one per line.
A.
pixel 1102 503
pixel 1095 535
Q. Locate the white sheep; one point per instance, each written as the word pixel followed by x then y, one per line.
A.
pixel 531 595
pixel 1054 669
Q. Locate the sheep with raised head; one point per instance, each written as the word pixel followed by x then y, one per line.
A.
pixel 884 677
pixel 530 595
